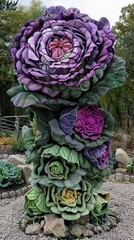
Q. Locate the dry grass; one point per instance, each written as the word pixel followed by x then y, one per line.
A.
pixel 124 141
pixel 6 141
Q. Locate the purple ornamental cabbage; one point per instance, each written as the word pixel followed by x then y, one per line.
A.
pixel 87 122
pixel 99 156
pixel 90 122
pixel 63 48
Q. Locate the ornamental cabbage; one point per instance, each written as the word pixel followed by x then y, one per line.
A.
pixel 63 48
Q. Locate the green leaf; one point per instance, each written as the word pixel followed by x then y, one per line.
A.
pixel 32 194
pixel 41 129
pixel 64 153
pixel 51 151
pixel 57 134
pixel 84 86
pixel 29 140
pixel 41 203
pixel 114 76
pixel 33 156
pixel 73 179
pixel 15 90
pixel 75 92
pixel 26 99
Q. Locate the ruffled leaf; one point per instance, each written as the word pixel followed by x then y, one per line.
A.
pixel 106 134
pixel 67 119
pixel 70 155
pixel 29 140
pixel 114 76
pixel 26 99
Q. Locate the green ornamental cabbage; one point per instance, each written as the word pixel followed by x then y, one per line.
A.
pixel 71 203
pixel 9 174
pixel 56 166
pixel 99 214
pixel 35 202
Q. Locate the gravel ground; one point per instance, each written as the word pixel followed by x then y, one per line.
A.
pixel 122 199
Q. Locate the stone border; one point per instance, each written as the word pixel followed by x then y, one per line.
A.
pixel 16 193
pixel 5 155
pixel 121 177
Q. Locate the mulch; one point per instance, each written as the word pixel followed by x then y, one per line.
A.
pixel 7 149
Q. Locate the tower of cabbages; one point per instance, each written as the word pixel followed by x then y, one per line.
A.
pixel 65 62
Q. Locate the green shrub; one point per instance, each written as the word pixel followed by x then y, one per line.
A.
pixel 18 145
pixel 130 165
pixel 115 163
pixel 9 174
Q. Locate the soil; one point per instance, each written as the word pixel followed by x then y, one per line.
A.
pixel 7 149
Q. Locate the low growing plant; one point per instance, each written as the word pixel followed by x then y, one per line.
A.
pixel 130 165
pixel 18 145
pixel 9 174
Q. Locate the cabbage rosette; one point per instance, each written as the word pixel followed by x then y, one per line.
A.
pixel 35 202
pixel 57 166
pixel 64 54
pixel 71 203
pixel 88 126
pixel 9 174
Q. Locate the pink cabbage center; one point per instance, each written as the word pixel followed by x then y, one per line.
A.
pixel 58 47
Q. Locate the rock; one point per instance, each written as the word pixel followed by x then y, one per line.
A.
pixel 112 177
pixel 18 192
pixel 121 165
pixel 23 225
pixel 106 228
pixel 121 170
pixel 16 159
pixel 88 233
pixel 50 218
pixel 78 230
pixel 126 178
pixel 24 190
pixel 108 224
pixel 132 179
pixel 121 157
pixel 119 177
pixel 24 130
pixel 113 212
pixel 29 187
pixel 113 222
pixel 115 218
pixel 5 195
pixel 5 156
pixel 98 229
pixel 89 226
pixel 12 194
pixel 56 226
pixel 33 229
pixel 26 172
pixel 82 220
pixel 42 223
